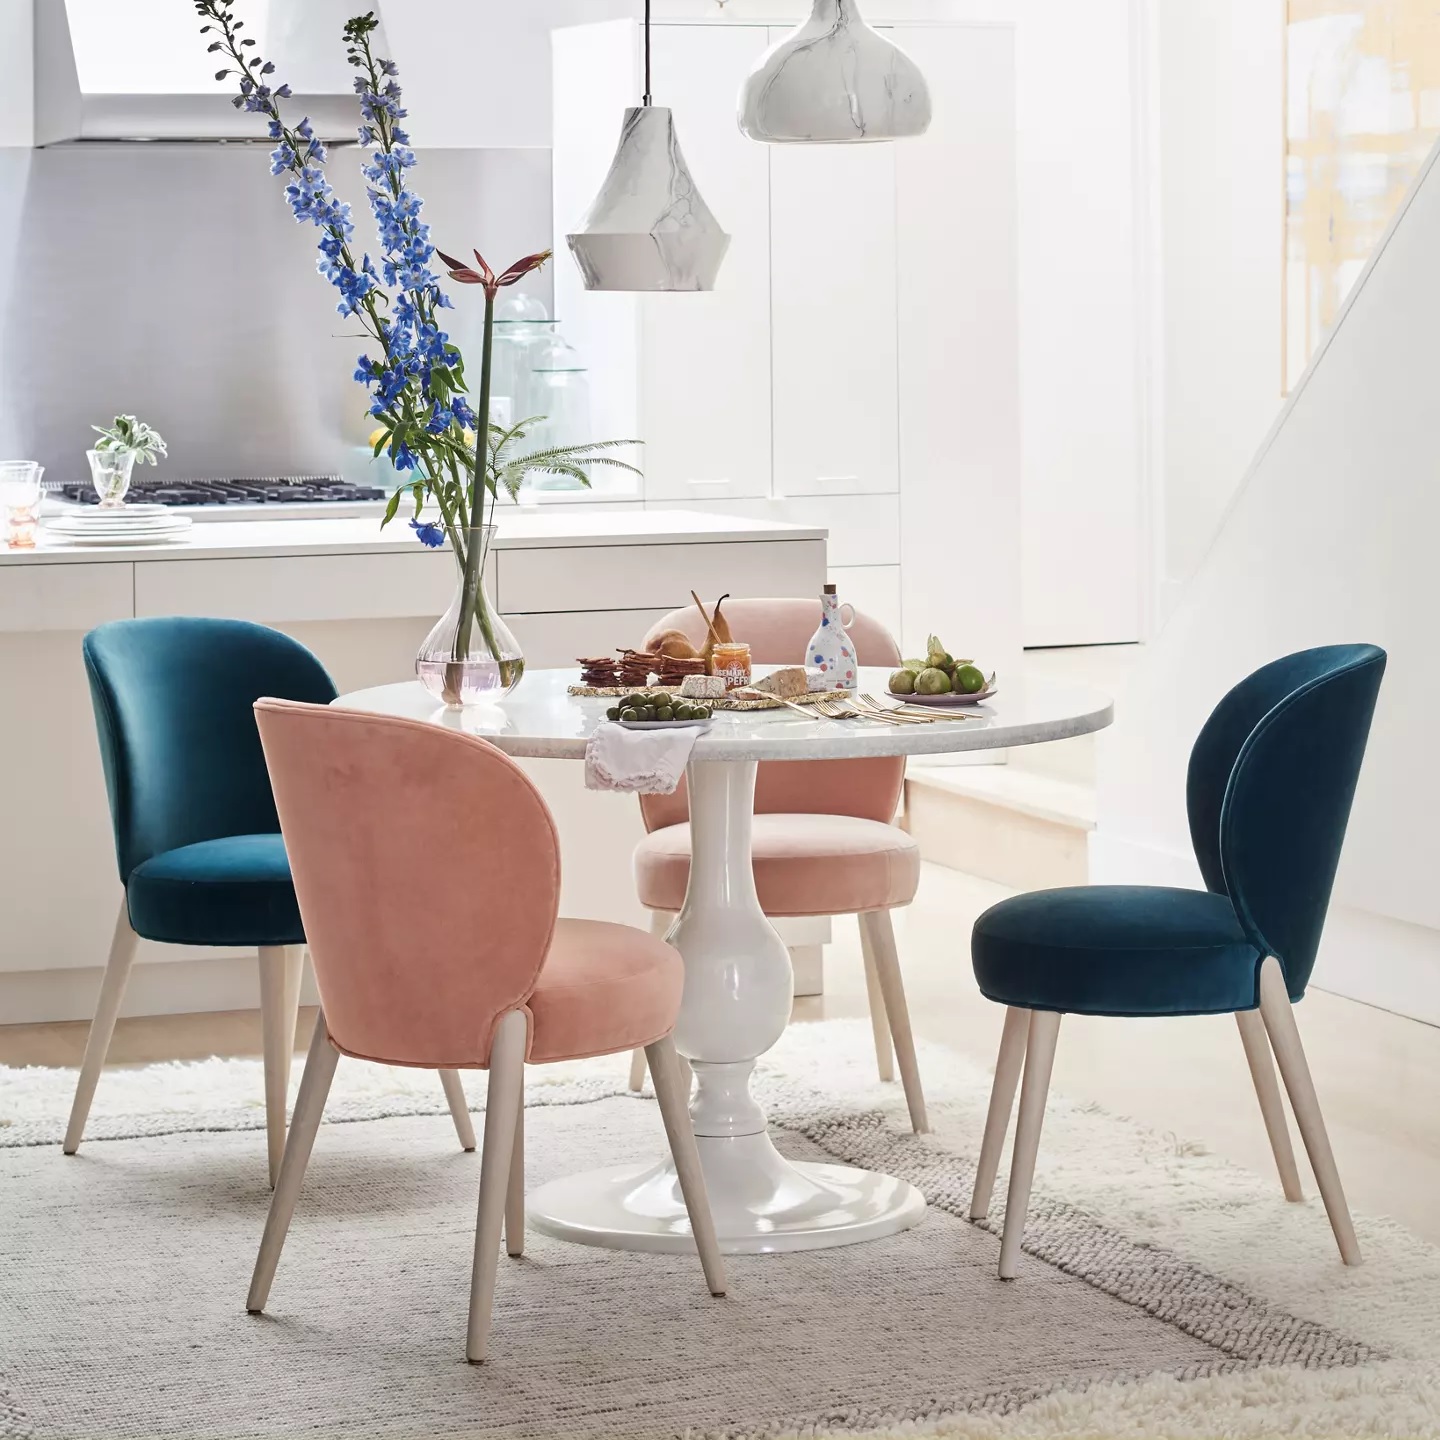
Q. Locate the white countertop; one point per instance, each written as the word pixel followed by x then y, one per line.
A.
pixel 230 540
pixel 541 720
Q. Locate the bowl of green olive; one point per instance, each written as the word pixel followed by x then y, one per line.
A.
pixel 642 711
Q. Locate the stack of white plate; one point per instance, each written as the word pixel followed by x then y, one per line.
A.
pixel 123 525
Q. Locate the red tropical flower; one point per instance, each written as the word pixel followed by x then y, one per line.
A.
pixel 468 275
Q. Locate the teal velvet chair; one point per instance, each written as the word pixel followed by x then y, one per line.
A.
pixel 1271 779
pixel 197 839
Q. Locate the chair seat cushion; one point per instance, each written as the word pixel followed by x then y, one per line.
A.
pixel 234 891
pixel 1117 950
pixel 804 865
pixel 603 988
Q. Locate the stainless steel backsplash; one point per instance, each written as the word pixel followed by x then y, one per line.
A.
pixel 171 282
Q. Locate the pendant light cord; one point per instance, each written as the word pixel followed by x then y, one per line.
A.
pixel 647 52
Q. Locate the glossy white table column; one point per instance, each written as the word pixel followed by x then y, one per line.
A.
pixel 738 982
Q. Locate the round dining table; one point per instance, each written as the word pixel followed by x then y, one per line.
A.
pixel 738 978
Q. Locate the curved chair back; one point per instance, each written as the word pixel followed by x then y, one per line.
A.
pixel 777 632
pixel 427 868
pixel 1272 776
pixel 173 705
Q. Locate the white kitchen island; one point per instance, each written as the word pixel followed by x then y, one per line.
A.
pixel 570 584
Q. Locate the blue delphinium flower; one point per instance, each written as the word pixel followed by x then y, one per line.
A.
pixel 429 532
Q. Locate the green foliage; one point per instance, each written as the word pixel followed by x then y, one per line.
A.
pixel 128 433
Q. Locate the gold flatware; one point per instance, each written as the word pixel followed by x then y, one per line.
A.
pixel 918 712
pixel 848 710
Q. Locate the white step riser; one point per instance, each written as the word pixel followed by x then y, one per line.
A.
pixel 995 842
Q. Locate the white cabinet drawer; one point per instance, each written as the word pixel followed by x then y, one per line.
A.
pixel 864 529
pixel 298 587
pixel 653 577
pixel 550 641
pixel 64 597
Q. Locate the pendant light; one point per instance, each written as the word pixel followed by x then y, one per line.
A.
pixel 649 228
pixel 834 80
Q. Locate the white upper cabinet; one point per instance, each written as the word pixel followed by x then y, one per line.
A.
pixel 834 318
pixel 705 358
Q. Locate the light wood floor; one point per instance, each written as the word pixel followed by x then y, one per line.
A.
pixel 1378 1074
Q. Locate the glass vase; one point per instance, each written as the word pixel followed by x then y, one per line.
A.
pixel 110 474
pixel 470 657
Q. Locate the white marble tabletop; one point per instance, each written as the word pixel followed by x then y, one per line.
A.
pixel 542 721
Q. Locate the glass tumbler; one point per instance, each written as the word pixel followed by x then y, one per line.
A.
pixel 110 473
pixel 20 496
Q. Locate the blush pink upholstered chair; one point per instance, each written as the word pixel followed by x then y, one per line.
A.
pixel 824 842
pixel 428 874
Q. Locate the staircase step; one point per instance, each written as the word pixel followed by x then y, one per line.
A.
pixel 1018 827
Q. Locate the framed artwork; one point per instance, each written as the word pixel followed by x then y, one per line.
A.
pixel 1362 109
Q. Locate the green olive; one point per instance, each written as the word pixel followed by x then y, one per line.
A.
pixel 613 713
pixel 630 713
pixel 664 712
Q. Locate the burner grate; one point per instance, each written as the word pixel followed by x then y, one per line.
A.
pixel 242 490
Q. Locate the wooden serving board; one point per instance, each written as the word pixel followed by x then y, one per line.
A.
pixel 613 692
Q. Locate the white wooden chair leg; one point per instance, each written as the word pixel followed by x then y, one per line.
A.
pixel 674 1102
pixel 279 1000
pixel 502 1108
pixel 1279 1017
pixel 1272 1107
pixel 309 1109
pixel 459 1108
pixel 660 923
pixel 876 925
pixel 879 1021
pixel 1002 1101
pixel 1044 1030
pixel 123 945
pixel 515 1190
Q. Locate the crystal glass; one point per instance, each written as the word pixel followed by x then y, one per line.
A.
pixel 521 326
pixel 470 657
pixel 560 391
pixel 110 473
pixel 20 496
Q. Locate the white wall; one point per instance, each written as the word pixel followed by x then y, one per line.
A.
pixel 1218 109
pixel 1331 538
pixel 17 92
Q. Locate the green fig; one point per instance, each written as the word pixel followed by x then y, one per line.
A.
pixel 933 681
pixel 902 682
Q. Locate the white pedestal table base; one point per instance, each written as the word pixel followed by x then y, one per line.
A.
pixel 738 992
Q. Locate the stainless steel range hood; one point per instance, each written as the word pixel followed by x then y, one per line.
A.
pixel 138 69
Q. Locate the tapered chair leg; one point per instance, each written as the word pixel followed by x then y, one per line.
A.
pixel 309 1109
pixel 1002 1101
pixel 280 967
pixel 459 1108
pixel 1272 1107
pixel 1279 1017
pixel 515 1190
pixel 660 923
pixel 112 991
pixel 879 1021
pixel 875 926
pixel 1044 1030
pixel 674 1100
pixel 502 1109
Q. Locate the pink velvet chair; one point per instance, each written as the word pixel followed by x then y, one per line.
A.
pixel 428 874
pixel 824 841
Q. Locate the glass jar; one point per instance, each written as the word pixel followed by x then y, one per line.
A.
pixel 522 325
pixel 731 663
pixel 20 495
pixel 560 391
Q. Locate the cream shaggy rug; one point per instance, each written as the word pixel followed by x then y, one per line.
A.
pixel 1166 1292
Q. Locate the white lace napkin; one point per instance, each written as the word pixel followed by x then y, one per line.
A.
pixel 646 762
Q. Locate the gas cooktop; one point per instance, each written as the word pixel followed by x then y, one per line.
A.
pixel 257 490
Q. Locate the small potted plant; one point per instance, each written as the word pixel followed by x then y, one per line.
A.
pixel 120 445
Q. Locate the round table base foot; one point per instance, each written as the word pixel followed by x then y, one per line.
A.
pixel 762 1203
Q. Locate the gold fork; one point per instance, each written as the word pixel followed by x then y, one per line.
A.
pixel 848 710
pixel 823 708
pixel 915 712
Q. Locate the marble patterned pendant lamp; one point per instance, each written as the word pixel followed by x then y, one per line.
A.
pixel 834 81
pixel 649 228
